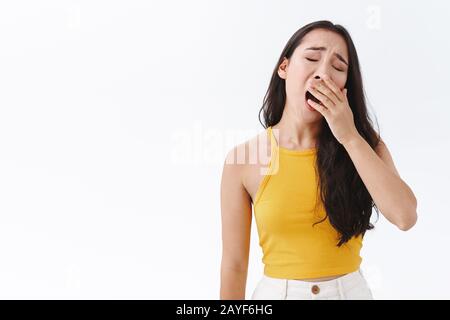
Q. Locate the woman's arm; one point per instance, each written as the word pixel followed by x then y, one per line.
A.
pixel 236 214
pixel 393 197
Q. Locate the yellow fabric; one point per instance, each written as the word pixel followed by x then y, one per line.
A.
pixel 285 211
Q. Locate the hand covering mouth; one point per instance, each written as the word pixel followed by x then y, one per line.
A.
pixel 308 95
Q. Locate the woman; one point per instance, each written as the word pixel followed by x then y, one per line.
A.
pixel 313 194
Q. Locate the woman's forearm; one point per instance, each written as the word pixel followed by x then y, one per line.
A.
pixel 390 193
pixel 232 284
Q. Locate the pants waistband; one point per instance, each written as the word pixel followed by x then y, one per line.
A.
pixel 347 281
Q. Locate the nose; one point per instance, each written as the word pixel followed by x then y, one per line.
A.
pixel 322 70
pixel 322 76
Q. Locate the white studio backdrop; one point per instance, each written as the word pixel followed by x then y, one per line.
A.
pixel 115 118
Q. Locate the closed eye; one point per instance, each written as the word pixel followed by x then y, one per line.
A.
pixel 313 60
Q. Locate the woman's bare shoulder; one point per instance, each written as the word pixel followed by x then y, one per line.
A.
pixel 245 161
pixel 254 151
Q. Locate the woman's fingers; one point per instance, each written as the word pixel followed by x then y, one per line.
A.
pixel 334 88
pixel 318 107
pixel 327 102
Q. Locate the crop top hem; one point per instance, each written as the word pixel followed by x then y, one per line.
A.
pixel 283 273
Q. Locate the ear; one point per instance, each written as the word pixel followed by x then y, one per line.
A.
pixel 282 68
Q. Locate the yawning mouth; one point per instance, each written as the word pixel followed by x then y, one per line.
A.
pixel 309 95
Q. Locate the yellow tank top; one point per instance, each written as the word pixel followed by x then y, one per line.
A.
pixel 285 209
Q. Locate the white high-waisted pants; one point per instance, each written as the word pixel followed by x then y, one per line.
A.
pixel 352 286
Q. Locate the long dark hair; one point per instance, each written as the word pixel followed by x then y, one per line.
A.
pixel 346 199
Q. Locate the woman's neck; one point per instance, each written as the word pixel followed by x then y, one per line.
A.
pixel 296 134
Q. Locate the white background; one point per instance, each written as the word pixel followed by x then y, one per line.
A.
pixel 115 118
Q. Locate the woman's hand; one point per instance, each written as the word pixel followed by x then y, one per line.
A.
pixel 335 109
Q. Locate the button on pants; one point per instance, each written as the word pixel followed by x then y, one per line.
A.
pixel 352 286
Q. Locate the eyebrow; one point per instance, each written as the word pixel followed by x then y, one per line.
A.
pixel 323 49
